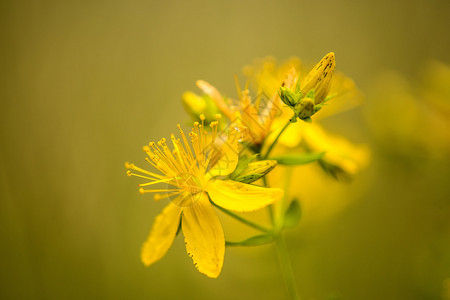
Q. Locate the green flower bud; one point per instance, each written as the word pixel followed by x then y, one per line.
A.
pixel 255 171
pixel 289 97
pixel 305 108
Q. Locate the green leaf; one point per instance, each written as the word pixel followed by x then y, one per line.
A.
pixel 298 158
pixel 256 240
pixel 292 215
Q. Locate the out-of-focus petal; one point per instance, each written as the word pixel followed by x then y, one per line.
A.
pixel 212 92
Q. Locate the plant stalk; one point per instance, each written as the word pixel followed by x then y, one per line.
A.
pixel 276 140
pixel 286 267
pixel 241 219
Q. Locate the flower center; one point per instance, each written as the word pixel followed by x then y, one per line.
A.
pixel 191 188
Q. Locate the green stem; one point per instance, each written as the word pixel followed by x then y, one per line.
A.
pixel 286 268
pixel 241 219
pixel 276 140
pixel 269 207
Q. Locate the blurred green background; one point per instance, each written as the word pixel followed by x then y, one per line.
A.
pixel 84 84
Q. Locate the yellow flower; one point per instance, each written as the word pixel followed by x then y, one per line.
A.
pixel 252 117
pixel 193 173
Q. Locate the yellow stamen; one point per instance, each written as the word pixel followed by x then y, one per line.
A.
pixel 155 182
pixel 129 173
pixel 186 144
pixel 158 197
pixel 133 167
pixel 142 191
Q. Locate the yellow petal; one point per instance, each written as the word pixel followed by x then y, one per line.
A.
pixel 161 235
pixel 211 91
pixel 203 236
pixel 226 155
pixel 241 197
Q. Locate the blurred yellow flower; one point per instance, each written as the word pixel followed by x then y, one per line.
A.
pixel 341 155
pixel 193 174
pixel 252 117
pixel 418 116
pixel 255 117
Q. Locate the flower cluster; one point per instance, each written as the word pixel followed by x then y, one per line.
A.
pixel 306 99
pixel 219 166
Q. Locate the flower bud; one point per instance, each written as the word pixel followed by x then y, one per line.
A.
pixel 255 171
pixel 193 103
pixel 319 79
pixel 305 108
pixel 288 96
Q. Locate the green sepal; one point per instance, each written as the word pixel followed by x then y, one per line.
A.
pixel 294 118
pixel 329 98
pixel 297 89
pixel 293 214
pixel 256 240
pixel 298 159
pixel 307 120
pixel 310 94
pixel 241 165
pixel 318 107
pixel 289 97
pixel 179 227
